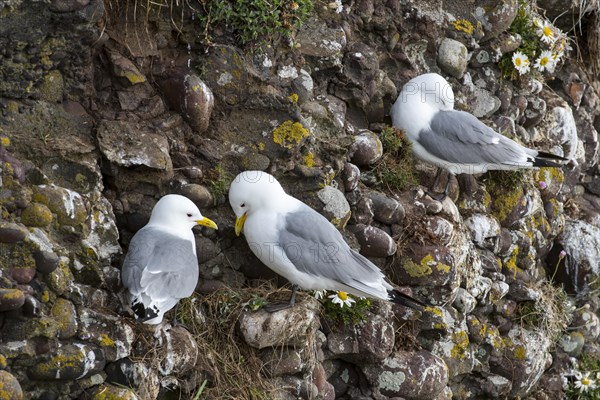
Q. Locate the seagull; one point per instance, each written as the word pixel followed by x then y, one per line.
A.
pixel 301 245
pixel 456 140
pixel 161 266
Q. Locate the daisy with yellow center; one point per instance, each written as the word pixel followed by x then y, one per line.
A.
pixel 545 61
pixel 342 299
pixel 546 32
pixel 583 382
pixel 521 62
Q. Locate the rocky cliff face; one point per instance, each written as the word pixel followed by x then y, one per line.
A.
pixel 106 106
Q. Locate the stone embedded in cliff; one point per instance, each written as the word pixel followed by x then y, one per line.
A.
pixel 587 323
pixel 485 103
pixel 534 113
pixel 63 311
pixel 336 208
pixel 143 379
pixel 107 391
pixel 317 39
pixel 560 127
pixel 106 331
pixel 11 299
pixel 131 144
pixel 178 353
pixel 68 362
pixel 284 361
pixel 11 232
pixel 525 358
pixel 581 244
pixel 371 341
pixel 401 375
pixel 199 194
pixel 61 279
pixel 187 94
pixel 373 241
pixel 351 177
pixel 303 86
pixel 67 205
pixel 124 68
pixel 367 149
pixel 10 389
pixel 36 215
pixel 290 327
pixel 496 16
pixel 386 209
pixel 453 57
pixel 484 230
pixel 45 261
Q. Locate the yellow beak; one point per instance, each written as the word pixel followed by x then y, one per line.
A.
pixel 239 224
pixel 209 223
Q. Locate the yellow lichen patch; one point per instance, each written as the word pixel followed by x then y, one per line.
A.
pixel 261 146
pixel 549 175
pixel 443 267
pixel 293 97
pixel 106 341
pixel 505 202
pixel 520 352
pixel 309 159
pixel 461 344
pixel 134 78
pixel 4 141
pixel 434 310
pixel 511 263
pixel 289 134
pixel 416 270
pixel 462 25
pixel 45 297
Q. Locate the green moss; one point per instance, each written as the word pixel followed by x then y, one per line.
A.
pixel 52 87
pixel 36 215
pixel 289 134
pixel 395 171
pixel 254 19
pixel 506 190
pixel 347 315
pixel 218 181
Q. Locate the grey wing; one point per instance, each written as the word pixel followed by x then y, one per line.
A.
pixel 160 265
pixel 316 247
pixel 459 137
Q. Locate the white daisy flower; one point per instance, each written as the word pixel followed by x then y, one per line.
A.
pixel 521 62
pixel 319 294
pixel 546 32
pixel 342 299
pixel 545 61
pixel 583 382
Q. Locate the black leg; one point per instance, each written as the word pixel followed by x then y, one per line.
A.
pixel 439 196
pixel 283 306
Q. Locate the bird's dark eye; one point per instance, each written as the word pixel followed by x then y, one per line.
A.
pixel 189 214
pixel 243 205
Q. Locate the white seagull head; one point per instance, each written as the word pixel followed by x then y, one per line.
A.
pixel 177 211
pixel 250 191
pixel 430 88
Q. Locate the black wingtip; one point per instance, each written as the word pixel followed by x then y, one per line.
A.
pixel 544 159
pixel 142 313
pixel 406 301
pixel 543 154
